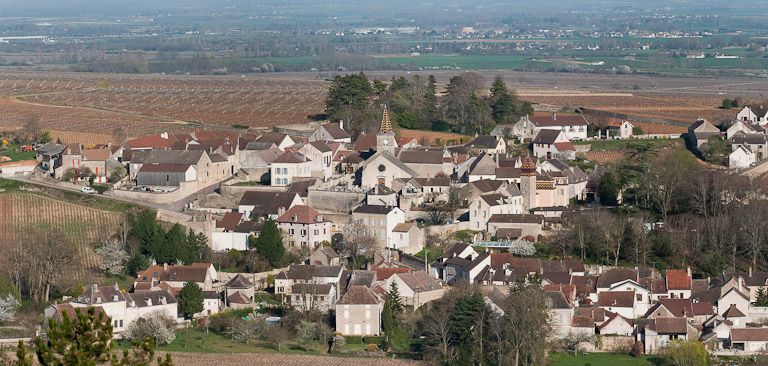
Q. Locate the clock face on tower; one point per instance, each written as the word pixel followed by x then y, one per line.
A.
pixel 386 142
pixel 382 167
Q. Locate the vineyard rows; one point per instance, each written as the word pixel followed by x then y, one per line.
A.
pixel 148 103
pixel 84 226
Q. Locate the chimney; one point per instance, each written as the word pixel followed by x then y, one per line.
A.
pixel 554 116
pixel 341 124
pixel 115 298
pixel 162 300
pixel 295 218
pixel 165 266
pixel 164 135
pixel 148 301
pixel 750 267
pixel 688 270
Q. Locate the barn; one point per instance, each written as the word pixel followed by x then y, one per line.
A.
pixel 165 174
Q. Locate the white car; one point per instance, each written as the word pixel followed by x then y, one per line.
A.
pixel 88 190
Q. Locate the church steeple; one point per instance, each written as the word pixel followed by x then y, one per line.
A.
pixel 386 125
pixel 385 139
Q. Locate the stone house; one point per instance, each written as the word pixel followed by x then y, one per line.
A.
pixel 741 158
pixel 753 114
pixel 416 288
pixel 383 168
pixel 380 220
pixel 331 132
pixel 489 144
pixel 258 204
pixel 175 277
pixel 427 163
pixel 408 237
pixel 574 126
pixel 320 156
pixel 308 274
pixel 304 227
pixel 312 296
pixel 289 166
pixel 358 312
pixel 487 205
pixel 549 144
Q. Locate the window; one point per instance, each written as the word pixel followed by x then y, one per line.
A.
pixel 639 297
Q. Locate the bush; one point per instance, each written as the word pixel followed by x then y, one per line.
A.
pixel 100 188
pixel 354 339
pixel 372 347
pixel 375 339
pixel 157 327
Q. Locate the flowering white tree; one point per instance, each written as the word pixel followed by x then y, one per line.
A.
pixel 8 307
pixel 158 327
pixel 522 247
pixel 112 257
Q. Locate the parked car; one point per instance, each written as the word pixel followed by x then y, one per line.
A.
pixel 158 190
pixel 88 190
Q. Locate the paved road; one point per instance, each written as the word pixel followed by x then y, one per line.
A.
pixel 176 206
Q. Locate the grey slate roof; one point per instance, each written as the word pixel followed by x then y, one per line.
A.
pixel 546 137
pixel 392 160
pixel 167 157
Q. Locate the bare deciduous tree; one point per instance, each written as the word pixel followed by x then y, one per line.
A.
pixel 357 241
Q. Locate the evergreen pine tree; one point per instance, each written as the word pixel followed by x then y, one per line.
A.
pixel 430 97
pixel 270 243
pixel 190 299
pixel 392 316
pixel 467 313
pixel 175 247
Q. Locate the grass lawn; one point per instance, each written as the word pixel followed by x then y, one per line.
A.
pixel 195 340
pixel 599 359
pixel 14 152
pixel 613 145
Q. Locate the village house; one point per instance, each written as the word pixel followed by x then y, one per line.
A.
pixel 324 255
pixel 529 226
pixel 700 132
pixel 174 277
pixel 124 308
pixel 574 126
pixel 166 162
pixel 304 227
pixel 657 333
pixel 226 236
pixel 416 288
pixel 311 297
pixel 381 195
pixel 258 204
pixel 622 131
pixel 755 142
pixel 380 221
pixel 308 274
pixel 320 157
pixel 487 205
pixel 408 237
pixel 549 144
pixel 753 114
pixel 281 140
pixel 239 292
pixel 289 166
pixel 331 132
pixel 358 312
pixel 749 340
pixel 482 167
pixel 741 158
pixel 489 144
pixel 616 325
pixel 427 163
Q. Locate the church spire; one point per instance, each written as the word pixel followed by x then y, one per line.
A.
pixel 386 125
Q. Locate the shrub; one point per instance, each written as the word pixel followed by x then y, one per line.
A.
pixel 354 339
pixel 157 327
pixel 372 347
pixel 374 339
pixel 338 343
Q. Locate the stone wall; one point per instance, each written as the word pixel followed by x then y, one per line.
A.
pixel 334 201
pixel 617 344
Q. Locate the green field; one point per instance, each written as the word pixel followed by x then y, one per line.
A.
pixel 196 340
pixel 599 359
pixel 476 62
pixel 614 145
pixel 14 152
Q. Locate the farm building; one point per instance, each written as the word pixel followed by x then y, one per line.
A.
pixel 165 174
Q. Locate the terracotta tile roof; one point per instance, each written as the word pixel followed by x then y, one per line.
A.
pixel 238 298
pixel 556 300
pixel 365 142
pixel 321 146
pixel 612 276
pixel 336 131
pixel 384 273
pixel 239 281
pixel 509 233
pixel 611 318
pixel 585 284
pixel 291 158
pixel 403 227
pixel 678 307
pixel 670 325
pixel 582 322
pixel 622 299
pixel 441 181
pixel 749 335
pixel 70 312
pixel 678 279
pixel 564 146
pixel 557 278
pixel 96 154
pixel 158 141
pixel 268 203
pixel 300 214
pixel 195 272
pixel 733 312
pixel 358 295
pixel 229 221
pixel 486 185
pixel 419 281
pixel 568 290
pixel 557 119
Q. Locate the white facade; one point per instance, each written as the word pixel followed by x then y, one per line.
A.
pixel 741 158
pixel 283 174
pixel 299 235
